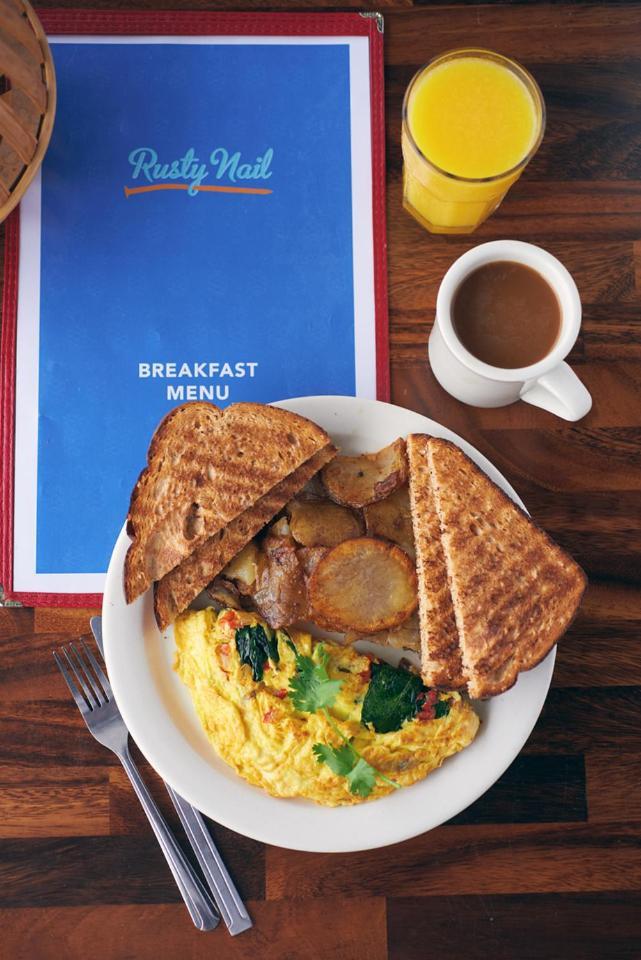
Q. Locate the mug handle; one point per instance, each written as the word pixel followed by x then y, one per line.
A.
pixel 560 392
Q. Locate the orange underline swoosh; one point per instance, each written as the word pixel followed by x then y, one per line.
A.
pixel 129 191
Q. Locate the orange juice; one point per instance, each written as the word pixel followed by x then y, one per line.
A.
pixel 471 121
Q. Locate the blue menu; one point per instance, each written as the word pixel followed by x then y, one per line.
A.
pixel 198 238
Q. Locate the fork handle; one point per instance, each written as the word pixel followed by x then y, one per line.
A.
pixel 197 900
pixel 227 897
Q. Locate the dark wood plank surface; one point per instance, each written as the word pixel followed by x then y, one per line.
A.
pixel 547 865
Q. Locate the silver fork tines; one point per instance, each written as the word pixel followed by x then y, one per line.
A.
pixel 96 689
pixel 99 672
pixel 79 690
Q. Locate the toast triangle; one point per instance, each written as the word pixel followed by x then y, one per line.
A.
pixel 176 590
pixel 206 466
pixel 514 591
pixel 441 664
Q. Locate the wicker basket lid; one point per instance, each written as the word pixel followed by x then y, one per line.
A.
pixel 27 100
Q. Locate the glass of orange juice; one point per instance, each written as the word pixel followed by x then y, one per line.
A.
pixel 472 120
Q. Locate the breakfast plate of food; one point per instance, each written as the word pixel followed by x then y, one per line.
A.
pixel 329 622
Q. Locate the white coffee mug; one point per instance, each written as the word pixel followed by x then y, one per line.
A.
pixel 549 383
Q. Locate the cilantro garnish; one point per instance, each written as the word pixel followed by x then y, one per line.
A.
pixel 346 762
pixel 362 778
pixel 393 696
pixel 255 646
pixel 312 690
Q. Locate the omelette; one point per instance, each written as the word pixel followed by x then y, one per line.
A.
pixel 242 680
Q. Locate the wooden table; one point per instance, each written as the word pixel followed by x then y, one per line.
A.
pixel 546 866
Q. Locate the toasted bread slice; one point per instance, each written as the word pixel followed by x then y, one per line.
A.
pixel 513 589
pixel 180 586
pixel 205 466
pixel 441 664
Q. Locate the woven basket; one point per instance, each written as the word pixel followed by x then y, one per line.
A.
pixel 27 100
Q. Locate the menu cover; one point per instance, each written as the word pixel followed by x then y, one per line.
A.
pixel 208 224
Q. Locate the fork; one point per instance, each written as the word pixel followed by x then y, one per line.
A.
pixel 94 698
pixel 228 900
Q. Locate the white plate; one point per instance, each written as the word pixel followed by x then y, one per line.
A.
pixel 158 711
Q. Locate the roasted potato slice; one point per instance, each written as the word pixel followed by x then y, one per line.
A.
pixel 308 557
pixel 313 489
pixel 364 585
pixel 243 568
pixel 405 637
pixel 223 593
pixel 321 523
pixel 279 528
pixel 391 518
pixel 357 481
pixel 280 595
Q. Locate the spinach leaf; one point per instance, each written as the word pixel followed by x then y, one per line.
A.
pixel 441 709
pixel 392 698
pixel 255 646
